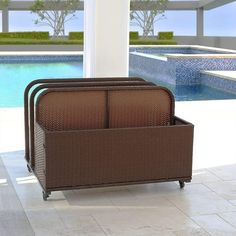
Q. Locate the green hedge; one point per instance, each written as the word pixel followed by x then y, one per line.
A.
pixel 165 35
pixel 133 35
pixel 76 36
pixel 152 42
pixel 12 41
pixel 25 35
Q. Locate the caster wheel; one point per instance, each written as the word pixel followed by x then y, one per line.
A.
pixel 29 169
pixel 46 195
pixel 181 184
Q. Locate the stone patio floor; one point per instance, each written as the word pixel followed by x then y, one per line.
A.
pixel 207 205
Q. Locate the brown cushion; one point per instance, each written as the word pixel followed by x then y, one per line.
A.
pixel 72 110
pixel 139 108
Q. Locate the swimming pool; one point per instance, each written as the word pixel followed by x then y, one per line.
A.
pixel 193 92
pixel 180 49
pixel 178 67
pixel 187 50
pixel 16 73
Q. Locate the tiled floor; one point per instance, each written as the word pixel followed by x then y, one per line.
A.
pixel 207 206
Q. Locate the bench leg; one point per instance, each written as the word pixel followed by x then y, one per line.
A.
pixel 29 169
pixel 181 184
pixel 46 195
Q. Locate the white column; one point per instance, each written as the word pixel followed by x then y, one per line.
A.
pixel 200 21
pixel 5 20
pixel 106 38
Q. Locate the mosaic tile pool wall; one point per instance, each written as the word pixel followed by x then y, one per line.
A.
pixel 217 82
pixel 176 50
pixel 177 70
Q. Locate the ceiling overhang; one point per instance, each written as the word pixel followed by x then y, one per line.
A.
pixel 210 4
pixel 171 5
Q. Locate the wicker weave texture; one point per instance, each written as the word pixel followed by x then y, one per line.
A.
pixel 114 156
pixel 40 156
pixel 44 83
pixel 99 109
pixel 73 110
pixel 110 136
pixel 139 108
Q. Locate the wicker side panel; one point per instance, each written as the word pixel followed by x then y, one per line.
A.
pixel 40 156
pixel 115 156
pixel 140 108
pixel 73 110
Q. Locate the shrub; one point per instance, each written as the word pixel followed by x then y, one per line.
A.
pixel 14 41
pixel 165 35
pixel 25 35
pixel 152 42
pixel 76 35
pixel 21 41
pixel 133 35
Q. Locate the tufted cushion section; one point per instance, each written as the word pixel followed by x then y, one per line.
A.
pixel 72 110
pixel 139 108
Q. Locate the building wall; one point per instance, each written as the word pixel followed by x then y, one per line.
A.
pixel 219 42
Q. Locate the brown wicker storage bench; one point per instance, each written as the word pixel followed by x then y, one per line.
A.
pixel 109 135
pixel 38 85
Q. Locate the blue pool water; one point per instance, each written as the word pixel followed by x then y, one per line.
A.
pixel 14 77
pixel 196 92
pixel 193 92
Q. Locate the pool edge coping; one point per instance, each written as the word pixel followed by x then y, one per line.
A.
pixel 214 73
pixel 224 53
pixel 41 53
